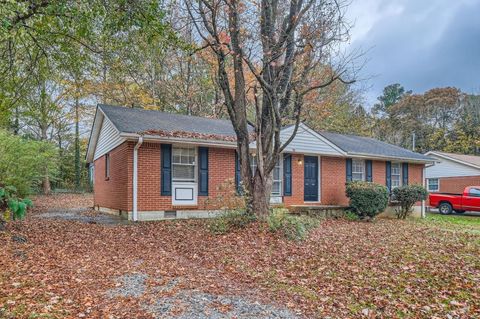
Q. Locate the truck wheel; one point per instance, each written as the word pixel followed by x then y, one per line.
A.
pixel 445 208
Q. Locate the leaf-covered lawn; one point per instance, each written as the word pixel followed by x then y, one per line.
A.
pixel 386 269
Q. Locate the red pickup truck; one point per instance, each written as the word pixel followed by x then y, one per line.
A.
pixel 446 202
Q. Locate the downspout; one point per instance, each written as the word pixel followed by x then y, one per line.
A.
pixel 422 211
pixel 135 178
pixel 424 183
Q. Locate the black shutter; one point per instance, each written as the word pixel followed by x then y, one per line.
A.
pixel 388 169
pixel 405 173
pixel 287 174
pixel 166 170
pixel 349 169
pixel 238 175
pixel 203 171
pixel 368 168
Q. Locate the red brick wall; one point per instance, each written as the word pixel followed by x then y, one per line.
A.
pixel 457 184
pixel 334 172
pixel 297 181
pixel 379 172
pixel 114 193
pixel 415 174
pixel 333 178
pixel 221 170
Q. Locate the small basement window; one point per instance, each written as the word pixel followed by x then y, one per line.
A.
pixel 170 214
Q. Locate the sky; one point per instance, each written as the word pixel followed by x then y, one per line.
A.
pixel 420 44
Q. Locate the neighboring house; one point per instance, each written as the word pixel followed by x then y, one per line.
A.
pixel 153 165
pixel 452 172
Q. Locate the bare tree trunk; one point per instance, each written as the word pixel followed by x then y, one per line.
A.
pixel 16 127
pixel 260 198
pixel 293 42
pixel 77 142
pixel 46 187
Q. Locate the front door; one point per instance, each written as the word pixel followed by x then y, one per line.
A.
pixel 311 179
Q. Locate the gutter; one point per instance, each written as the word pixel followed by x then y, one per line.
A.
pixel 219 143
pixel 411 160
pixel 135 178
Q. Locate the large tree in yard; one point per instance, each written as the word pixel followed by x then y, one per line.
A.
pixel 270 55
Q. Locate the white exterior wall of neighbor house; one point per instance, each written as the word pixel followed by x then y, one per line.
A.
pixel 448 168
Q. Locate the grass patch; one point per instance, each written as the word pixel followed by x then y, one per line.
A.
pixel 454 222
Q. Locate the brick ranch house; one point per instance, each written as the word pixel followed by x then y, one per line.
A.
pixel 452 172
pixel 151 165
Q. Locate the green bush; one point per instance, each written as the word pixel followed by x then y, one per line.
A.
pixel 351 216
pixel 12 206
pixel 292 227
pixel 230 220
pixel 23 162
pixel 367 200
pixel 406 197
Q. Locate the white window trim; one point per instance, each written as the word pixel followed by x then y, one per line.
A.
pixel 438 184
pixel 364 177
pixel 195 165
pixel 280 162
pixel 280 176
pixel 400 174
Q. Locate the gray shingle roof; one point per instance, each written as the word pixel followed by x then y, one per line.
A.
pixel 134 120
pixel 353 144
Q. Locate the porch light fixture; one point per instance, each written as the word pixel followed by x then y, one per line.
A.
pixel 299 161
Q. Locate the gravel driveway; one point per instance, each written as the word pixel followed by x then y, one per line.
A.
pixel 83 215
pixel 172 303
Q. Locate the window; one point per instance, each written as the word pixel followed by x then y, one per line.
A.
pixel 474 192
pixel 358 170
pixel 183 162
pixel 432 185
pixel 276 176
pixel 396 175
pixel 277 180
pixel 107 166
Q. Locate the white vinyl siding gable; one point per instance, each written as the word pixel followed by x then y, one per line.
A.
pixel 108 139
pixel 449 168
pixel 306 142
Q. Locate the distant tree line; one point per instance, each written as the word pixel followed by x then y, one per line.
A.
pixel 442 119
